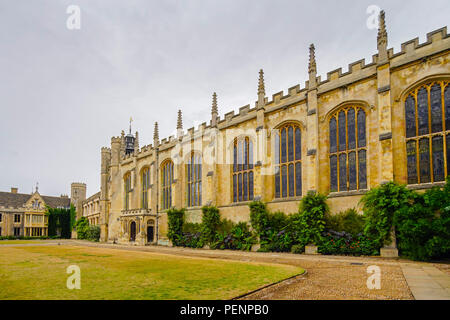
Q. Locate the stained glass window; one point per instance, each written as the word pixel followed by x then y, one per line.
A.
pixel 127 188
pixel 243 170
pixel 288 175
pixel 427 146
pixel 348 160
pixel 194 180
pixel 166 184
pixel 145 178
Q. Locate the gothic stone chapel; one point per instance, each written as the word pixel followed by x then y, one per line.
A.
pixel 340 136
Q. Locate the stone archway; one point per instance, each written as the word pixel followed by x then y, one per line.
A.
pixel 133 231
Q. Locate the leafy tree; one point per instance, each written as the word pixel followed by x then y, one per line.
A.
pixel 379 206
pixel 82 226
pixel 310 221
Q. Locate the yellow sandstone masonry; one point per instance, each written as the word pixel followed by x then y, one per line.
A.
pixel 378 88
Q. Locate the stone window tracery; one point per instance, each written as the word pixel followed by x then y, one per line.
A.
pixel 288 161
pixel 348 149
pixel 427 131
pixel 166 184
pixel 243 166
pixel 194 180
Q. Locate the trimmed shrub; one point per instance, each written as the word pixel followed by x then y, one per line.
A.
pixel 82 226
pixel 175 224
pixel 349 221
pixel 344 243
pixel 210 223
pixel 297 248
pixel 423 227
pixel 310 222
pixel 93 233
pixel 379 206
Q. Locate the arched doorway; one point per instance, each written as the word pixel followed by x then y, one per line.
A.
pixel 150 231
pixel 133 231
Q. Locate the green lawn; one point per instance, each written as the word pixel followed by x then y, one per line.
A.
pixel 39 272
pixel 25 241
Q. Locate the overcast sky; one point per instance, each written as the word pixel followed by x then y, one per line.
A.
pixel 64 93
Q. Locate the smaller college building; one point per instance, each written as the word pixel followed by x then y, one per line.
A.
pixel 23 215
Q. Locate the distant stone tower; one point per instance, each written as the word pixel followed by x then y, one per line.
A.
pixel 77 196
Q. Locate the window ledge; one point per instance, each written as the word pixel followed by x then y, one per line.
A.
pixel 422 186
pixel 194 208
pixel 347 193
pixel 275 200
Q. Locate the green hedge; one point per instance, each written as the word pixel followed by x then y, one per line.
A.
pixel 62 220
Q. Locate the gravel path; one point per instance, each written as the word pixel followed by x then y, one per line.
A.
pixel 327 277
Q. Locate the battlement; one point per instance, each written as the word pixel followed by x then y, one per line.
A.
pixel 116 140
pixel 78 184
pixel 437 41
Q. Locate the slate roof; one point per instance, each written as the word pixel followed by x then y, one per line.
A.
pixel 18 200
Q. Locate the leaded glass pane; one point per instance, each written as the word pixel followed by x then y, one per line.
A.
pixel 422 110
pixel 333 174
pixel 291 180
pixel 447 108
pixel 361 128
pixel 250 154
pixel 284 181
pixel 240 155
pixel 250 185
pixel 411 162
pixel 298 178
pixel 245 154
pixel 245 190
pixel 352 171
pixel 235 190
pixel 351 129
pixel 234 158
pixel 240 186
pixel 283 145
pixel 424 160
pixel 290 144
pixel 277 148
pixel 342 125
pixel 410 117
pixel 277 182
pixel 438 158
pixel 342 172
pixel 298 144
pixel 362 169
pixel 448 153
pixel 436 108
pixel 333 136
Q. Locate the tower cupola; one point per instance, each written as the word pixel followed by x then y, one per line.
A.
pixel 129 141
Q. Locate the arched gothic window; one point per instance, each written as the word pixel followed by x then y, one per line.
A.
pixel 348 149
pixel 127 189
pixel 145 178
pixel 242 169
pixel 166 184
pixel 194 180
pixel 427 118
pixel 288 161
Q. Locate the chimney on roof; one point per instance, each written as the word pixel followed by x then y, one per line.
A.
pixel 14 190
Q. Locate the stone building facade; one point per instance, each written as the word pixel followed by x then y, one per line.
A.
pixel 340 136
pixel 24 214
